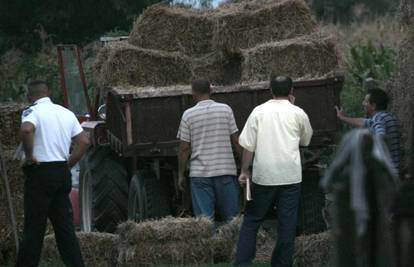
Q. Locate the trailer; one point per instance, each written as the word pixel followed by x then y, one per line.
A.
pixel 130 170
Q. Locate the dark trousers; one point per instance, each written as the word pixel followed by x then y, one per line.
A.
pixel 286 198
pixel 46 194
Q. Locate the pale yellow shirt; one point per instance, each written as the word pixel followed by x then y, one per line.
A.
pixel 274 131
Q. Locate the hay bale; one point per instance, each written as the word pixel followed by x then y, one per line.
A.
pixel 129 65
pixel 310 250
pixel 98 249
pixel 234 26
pixel 306 57
pixel 402 93
pixel 191 252
pixel 10 120
pixel 173 29
pixel 166 229
pixel 227 236
pixel 218 68
pixel 169 241
pixel 313 250
pixel 245 25
pixel 16 181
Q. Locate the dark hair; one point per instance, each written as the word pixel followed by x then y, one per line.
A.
pixel 36 83
pixel 379 98
pixel 280 85
pixel 201 86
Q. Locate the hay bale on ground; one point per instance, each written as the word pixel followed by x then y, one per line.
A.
pixel 98 249
pixel 10 120
pixel 166 229
pixel 306 57
pixel 226 239
pixel 310 250
pixel 245 25
pixel 313 250
pixel 229 28
pixel 129 65
pixel 169 241
pixel 173 29
pixel 192 252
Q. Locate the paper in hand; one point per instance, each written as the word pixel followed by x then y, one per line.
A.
pixel 248 192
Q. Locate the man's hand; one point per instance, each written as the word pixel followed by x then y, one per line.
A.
pixel 30 160
pixel 182 182
pixel 244 177
pixel 340 112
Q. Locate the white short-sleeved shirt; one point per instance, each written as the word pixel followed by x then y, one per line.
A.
pixel 274 131
pixel 207 127
pixel 54 128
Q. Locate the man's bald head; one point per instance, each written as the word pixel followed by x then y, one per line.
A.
pixel 37 89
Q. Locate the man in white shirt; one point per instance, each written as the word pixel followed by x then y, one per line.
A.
pixel 47 132
pixel 272 135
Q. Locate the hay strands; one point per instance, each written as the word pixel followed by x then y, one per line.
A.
pixel 3 174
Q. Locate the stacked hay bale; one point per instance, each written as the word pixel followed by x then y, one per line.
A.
pixel 300 58
pixel 127 64
pixel 10 120
pixel 236 43
pixel 98 249
pixel 169 241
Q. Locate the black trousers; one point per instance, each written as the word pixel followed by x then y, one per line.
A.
pixel 46 194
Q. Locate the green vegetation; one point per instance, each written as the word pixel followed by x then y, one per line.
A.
pixel 365 62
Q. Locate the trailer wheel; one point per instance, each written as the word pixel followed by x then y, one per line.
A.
pixel 148 197
pixel 103 190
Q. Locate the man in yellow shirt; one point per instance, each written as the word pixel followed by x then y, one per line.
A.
pixel 272 135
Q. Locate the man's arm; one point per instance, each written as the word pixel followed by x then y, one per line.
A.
pixel 245 168
pixel 356 122
pixel 235 142
pixel 183 155
pixel 81 142
pixel 27 130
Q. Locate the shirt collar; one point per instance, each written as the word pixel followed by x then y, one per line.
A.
pixel 377 114
pixel 42 100
pixel 205 102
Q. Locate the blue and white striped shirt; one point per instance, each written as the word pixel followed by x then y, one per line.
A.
pixel 385 123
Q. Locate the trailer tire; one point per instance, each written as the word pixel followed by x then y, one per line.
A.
pixel 103 190
pixel 148 197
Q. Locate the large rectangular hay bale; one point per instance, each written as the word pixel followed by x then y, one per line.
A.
pixel 130 65
pixel 166 229
pixel 245 25
pixel 173 29
pixel 98 249
pixel 305 57
pixel 229 28
pixel 10 120
pixel 192 252
pixel 168 241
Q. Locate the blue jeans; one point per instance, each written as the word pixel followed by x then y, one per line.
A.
pixel 286 198
pixel 222 192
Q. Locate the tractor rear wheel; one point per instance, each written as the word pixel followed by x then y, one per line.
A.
pixel 103 190
pixel 148 198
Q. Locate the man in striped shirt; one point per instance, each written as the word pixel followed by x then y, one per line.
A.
pixel 379 121
pixel 207 132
